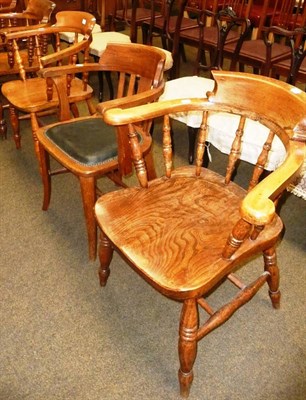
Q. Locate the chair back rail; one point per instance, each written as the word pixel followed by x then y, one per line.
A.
pixel 288 122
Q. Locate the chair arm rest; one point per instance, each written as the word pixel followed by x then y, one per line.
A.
pixel 51 72
pixel 16 15
pixel 41 29
pixel 12 29
pixel 148 96
pixel 257 207
pixel 67 52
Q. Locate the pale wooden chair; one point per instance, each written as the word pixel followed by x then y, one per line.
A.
pixel 38 13
pixel 7 6
pixel 191 229
pixel 89 148
pixel 30 97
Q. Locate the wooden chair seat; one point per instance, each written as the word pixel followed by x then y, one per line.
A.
pixel 283 67
pixel 88 150
pixel 32 94
pixel 257 50
pixel 210 35
pixel 130 216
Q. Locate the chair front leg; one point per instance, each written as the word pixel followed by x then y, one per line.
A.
pixel 88 190
pixel 13 115
pixel 187 345
pixel 44 167
pixel 105 256
pixel 273 280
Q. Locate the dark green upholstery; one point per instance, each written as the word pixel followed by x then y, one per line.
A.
pixel 87 141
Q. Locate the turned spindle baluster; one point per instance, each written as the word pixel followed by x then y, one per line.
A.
pixel 137 157
pixel 202 137
pixel 167 146
pixel 235 150
pixel 261 161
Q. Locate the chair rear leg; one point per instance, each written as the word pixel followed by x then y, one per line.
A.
pixel 3 126
pixel 35 126
pixel 273 280
pixel 88 190
pixel 105 256
pixel 187 345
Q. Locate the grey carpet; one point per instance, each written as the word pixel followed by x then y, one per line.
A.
pixel 63 337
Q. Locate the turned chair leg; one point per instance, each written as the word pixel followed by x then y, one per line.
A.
pixel 187 345
pixel 3 126
pixel 13 115
pixel 44 167
pixel 105 256
pixel 35 126
pixel 273 280
pixel 88 190
pixel 192 135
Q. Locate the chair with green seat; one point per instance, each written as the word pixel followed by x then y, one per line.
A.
pixel 86 146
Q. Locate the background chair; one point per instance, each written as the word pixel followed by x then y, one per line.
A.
pixel 31 95
pixel 130 14
pixel 188 231
pixel 218 23
pixel 86 146
pixel 37 12
pixel 271 44
pixel 100 39
pixel 293 69
pixel 164 23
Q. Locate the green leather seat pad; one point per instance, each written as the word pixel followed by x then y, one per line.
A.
pixel 87 141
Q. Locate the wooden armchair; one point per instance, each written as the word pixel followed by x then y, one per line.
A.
pixel 36 12
pixel 188 231
pixel 7 5
pixel 30 95
pixel 87 147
